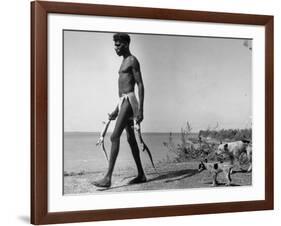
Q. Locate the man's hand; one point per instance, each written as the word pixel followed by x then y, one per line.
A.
pixel 139 117
pixel 113 115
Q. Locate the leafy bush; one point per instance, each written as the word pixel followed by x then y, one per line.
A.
pixel 188 148
pixel 205 144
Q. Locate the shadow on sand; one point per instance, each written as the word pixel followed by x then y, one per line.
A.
pixel 175 174
pixel 240 171
pixel 223 184
pixel 162 176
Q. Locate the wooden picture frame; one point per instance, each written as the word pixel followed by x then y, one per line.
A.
pixel 39 112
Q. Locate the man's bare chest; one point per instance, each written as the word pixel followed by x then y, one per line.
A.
pixel 125 68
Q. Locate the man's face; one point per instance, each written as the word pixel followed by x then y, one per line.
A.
pixel 120 47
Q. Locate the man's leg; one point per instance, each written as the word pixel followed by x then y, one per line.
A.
pixel 136 154
pixel 121 122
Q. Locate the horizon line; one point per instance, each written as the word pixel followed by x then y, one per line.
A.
pixel 161 131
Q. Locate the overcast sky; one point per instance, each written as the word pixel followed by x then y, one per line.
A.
pixel 195 79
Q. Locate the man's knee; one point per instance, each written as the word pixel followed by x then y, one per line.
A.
pixel 131 138
pixel 114 137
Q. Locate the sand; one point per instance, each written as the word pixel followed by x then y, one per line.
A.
pixel 172 175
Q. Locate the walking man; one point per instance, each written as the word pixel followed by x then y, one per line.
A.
pixel 128 109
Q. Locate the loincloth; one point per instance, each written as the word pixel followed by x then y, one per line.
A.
pixel 131 97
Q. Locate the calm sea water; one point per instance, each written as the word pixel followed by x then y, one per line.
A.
pixel 82 154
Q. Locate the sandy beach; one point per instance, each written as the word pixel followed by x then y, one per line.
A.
pixel 169 176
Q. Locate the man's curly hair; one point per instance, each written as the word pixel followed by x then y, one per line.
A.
pixel 122 37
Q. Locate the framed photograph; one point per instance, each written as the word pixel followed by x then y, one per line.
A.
pixel 148 112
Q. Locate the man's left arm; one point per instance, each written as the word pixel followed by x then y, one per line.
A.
pixel 138 78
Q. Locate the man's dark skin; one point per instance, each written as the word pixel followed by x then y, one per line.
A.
pixel 129 76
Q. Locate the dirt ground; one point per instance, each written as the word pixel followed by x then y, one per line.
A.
pixel 169 176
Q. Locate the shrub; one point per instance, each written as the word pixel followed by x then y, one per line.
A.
pixel 198 148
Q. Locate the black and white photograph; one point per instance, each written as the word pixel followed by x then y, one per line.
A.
pixel 151 112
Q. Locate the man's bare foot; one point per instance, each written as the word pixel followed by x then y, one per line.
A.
pixel 104 183
pixel 138 180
